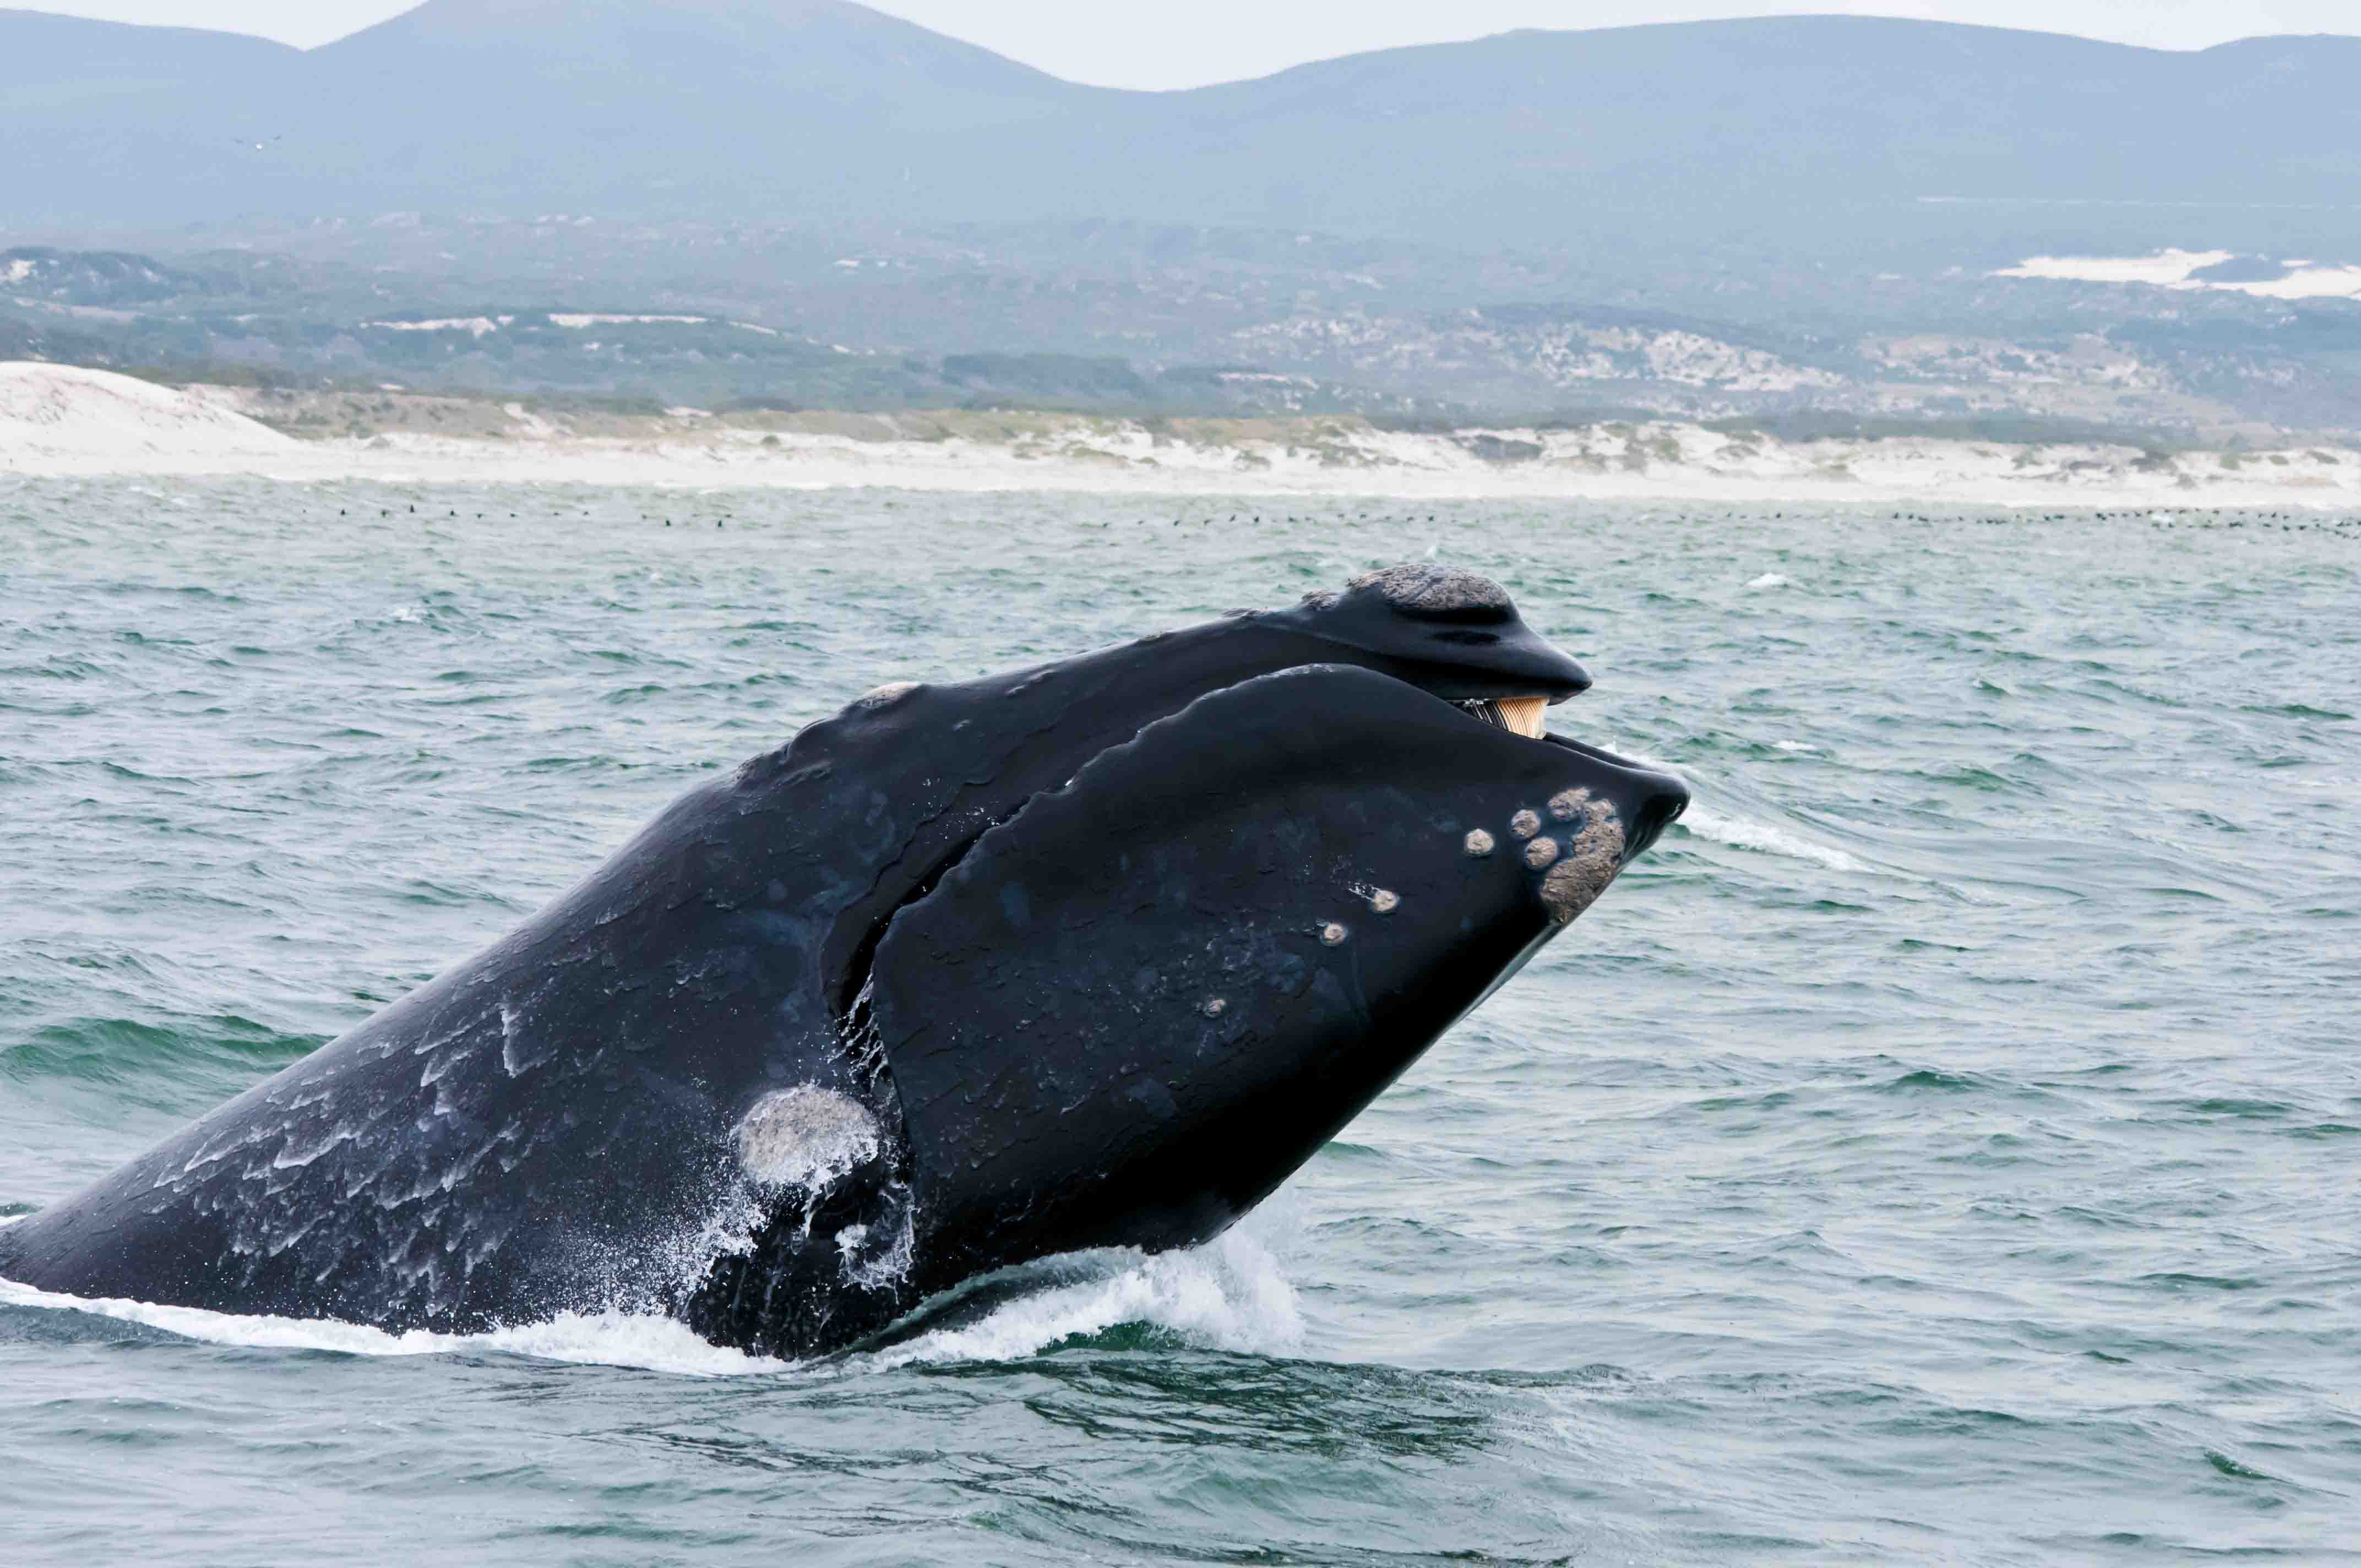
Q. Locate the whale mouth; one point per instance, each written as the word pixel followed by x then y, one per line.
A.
pixel 1666 801
pixel 1518 714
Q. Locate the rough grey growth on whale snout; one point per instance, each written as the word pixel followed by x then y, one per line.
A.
pixel 1426 590
pixel 1574 883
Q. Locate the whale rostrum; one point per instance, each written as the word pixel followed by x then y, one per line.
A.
pixel 1091 954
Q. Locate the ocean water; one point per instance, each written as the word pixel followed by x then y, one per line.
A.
pixel 1945 1147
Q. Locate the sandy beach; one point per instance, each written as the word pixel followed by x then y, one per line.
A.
pixel 63 421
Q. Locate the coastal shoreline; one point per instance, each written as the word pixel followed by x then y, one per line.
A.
pixel 60 421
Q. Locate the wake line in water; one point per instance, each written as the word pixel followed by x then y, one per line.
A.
pixel 1226 1295
pixel 1740 833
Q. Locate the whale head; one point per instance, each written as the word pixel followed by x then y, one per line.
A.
pixel 1243 877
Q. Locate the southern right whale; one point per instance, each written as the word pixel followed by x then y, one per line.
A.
pixel 1093 954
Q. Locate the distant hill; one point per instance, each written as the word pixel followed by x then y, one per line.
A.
pixel 1794 136
pixel 103 278
pixel 57 64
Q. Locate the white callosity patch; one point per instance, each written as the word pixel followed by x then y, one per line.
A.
pixel 885 696
pixel 794 1145
pixel 1478 843
pixel 807 1136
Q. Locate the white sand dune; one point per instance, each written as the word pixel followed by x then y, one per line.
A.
pixel 2178 270
pixel 64 422
pixel 54 416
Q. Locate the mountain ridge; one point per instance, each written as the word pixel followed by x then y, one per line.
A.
pixel 1801 137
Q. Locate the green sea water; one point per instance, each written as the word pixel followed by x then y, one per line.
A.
pixel 1945 1146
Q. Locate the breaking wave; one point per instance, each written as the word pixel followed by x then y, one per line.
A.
pixel 1229 1294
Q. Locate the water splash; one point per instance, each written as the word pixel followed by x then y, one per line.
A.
pixel 605 1339
pixel 1229 1294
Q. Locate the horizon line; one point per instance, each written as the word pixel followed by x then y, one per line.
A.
pixel 1848 16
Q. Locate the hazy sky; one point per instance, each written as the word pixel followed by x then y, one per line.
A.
pixel 1216 40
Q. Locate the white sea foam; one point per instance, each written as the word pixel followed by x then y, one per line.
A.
pixel 1229 1295
pixel 1740 833
pixel 1769 580
pixel 609 1339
